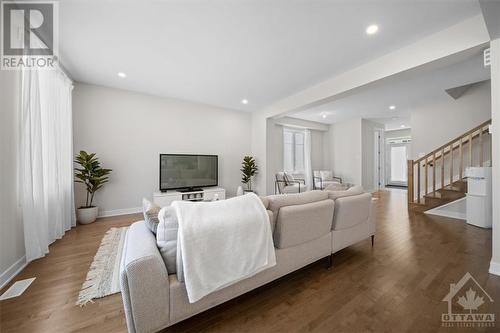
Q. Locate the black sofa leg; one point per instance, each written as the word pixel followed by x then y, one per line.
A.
pixel 373 239
pixel 330 261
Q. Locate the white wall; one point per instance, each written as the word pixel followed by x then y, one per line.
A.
pixel 352 151
pixel 495 99
pixel 398 133
pixel 345 150
pixel 444 118
pixel 318 160
pixel 275 146
pixel 128 131
pixel 11 228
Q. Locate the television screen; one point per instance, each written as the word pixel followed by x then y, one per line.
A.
pixel 187 171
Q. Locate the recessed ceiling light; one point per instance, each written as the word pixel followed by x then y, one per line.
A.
pixel 323 115
pixel 372 29
pixel 392 107
pixel 403 126
pixel 244 101
pixel 122 75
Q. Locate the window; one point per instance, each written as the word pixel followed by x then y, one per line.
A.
pixel 293 150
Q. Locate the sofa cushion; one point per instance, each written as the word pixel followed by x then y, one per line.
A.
pixel 150 212
pixel 297 224
pixel 326 175
pixel 351 211
pixel 265 201
pixel 335 186
pixel 293 188
pixel 166 237
pixel 355 190
pixel 281 200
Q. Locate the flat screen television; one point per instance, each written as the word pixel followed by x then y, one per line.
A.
pixel 188 172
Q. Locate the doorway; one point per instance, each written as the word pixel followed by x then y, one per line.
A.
pixel 397 167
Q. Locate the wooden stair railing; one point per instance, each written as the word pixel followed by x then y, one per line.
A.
pixel 436 160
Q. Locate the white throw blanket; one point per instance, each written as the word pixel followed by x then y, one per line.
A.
pixel 223 242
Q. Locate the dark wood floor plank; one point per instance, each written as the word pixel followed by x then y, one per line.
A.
pixel 396 286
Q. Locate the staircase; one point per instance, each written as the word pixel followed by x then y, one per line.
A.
pixel 439 177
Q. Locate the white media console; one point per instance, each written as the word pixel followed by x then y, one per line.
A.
pixel 163 199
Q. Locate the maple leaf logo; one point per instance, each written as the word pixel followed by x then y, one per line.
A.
pixel 470 301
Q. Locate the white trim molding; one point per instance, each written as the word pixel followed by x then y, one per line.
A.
pixel 12 271
pixel 494 268
pixel 116 212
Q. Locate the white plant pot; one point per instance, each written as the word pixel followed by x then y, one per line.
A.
pixel 86 215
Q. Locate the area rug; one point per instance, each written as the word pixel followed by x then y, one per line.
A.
pixel 103 275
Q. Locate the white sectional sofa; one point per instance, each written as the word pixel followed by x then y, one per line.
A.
pixel 307 227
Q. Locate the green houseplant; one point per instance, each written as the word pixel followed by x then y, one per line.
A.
pixel 248 169
pixel 90 173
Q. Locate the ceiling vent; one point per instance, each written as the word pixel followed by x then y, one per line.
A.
pixel 487 57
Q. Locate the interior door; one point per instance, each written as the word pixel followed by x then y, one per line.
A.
pixel 378 163
pixel 397 166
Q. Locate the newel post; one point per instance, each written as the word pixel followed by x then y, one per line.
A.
pixel 410 181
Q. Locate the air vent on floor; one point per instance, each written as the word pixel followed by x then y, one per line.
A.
pixel 17 289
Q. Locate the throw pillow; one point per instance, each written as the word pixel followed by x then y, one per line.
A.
pixel 150 211
pixel 335 187
pixel 355 190
pixel 166 237
pixel 326 175
pixel 288 178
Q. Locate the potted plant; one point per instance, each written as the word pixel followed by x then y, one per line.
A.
pixel 248 169
pixel 93 176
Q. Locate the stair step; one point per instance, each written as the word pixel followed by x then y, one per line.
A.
pixel 452 188
pixel 417 207
pixel 462 184
pixel 433 200
pixel 444 195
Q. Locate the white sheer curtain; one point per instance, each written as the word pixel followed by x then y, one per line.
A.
pixel 45 159
pixel 307 160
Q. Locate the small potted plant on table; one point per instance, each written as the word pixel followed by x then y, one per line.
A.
pixel 248 169
pixel 93 176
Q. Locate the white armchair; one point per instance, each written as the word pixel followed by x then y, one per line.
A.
pixel 324 178
pixel 285 183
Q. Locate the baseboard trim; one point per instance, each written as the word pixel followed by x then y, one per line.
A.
pixel 116 212
pixel 12 271
pixel 446 213
pixel 494 268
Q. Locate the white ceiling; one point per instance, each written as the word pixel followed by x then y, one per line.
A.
pixel 407 91
pixel 220 52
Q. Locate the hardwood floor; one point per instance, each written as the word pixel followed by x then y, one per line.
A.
pixel 396 286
